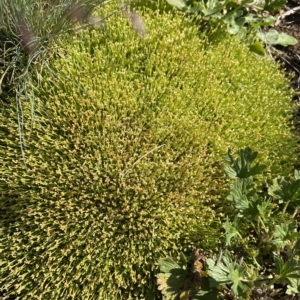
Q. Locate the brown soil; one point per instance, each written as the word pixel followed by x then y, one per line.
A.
pixel 290 55
pixel 289 23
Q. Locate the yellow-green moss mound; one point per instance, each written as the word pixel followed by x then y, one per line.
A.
pixel 124 154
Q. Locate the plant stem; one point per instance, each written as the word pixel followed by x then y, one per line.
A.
pixel 295 212
pixel 285 206
pixel 262 223
pixel 272 281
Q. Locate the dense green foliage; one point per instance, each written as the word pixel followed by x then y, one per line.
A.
pixel 122 155
pixel 259 257
pixel 242 18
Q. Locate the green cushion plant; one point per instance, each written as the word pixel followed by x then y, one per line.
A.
pixel 122 158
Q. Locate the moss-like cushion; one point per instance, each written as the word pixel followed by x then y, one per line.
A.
pixel 123 155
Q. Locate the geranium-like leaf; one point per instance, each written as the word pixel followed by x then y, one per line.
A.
pixel 230 172
pixel 184 295
pixel 283 233
pixel 235 276
pixel 286 270
pixel 243 165
pixel 172 280
pixel 286 190
pixel 182 261
pixel 171 285
pixel 229 271
pixel 297 247
pixel 275 188
pixel 167 265
pixel 180 4
pixel 244 197
pixel 293 288
pixel 231 231
pixel 211 294
pixel 297 174
pixel 238 195
pixel 218 272
pixel 162 281
pixel 265 209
